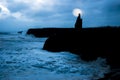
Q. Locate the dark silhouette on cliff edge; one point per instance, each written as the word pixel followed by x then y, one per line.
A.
pixel 47 32
pixel 78 24
pixel 88 43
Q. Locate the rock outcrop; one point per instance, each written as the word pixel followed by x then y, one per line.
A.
pixel 78 23
pixel 48 32
pixel 89 44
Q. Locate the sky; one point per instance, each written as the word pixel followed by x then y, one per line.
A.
pixel 17 15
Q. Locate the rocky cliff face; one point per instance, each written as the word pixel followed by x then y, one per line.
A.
pixel 78 23
pixel 88 43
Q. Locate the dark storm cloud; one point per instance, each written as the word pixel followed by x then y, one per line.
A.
pixel 111 12
pixel 113 8
pixel 17 7
pixel 58 13
pixel 101 13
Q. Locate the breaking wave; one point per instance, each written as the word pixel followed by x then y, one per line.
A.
pixel 22 58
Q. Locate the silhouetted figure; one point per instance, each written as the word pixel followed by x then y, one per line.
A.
pixel 78 24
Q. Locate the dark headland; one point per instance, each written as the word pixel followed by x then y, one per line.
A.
pixel 89 43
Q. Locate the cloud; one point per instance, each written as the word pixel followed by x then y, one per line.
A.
pixel 4 12
pixel 3 2
pixel 20 16
pixel 57 13
pixel 29 9
pixel 37 5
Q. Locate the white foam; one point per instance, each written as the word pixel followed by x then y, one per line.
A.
pixel 24 59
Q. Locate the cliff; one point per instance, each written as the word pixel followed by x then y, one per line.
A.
pixel 89 43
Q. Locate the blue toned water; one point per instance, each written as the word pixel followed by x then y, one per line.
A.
pixel 22 58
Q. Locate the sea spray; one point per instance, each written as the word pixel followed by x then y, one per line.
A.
pixel 22 58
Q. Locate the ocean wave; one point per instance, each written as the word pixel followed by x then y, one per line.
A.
pixel 22 58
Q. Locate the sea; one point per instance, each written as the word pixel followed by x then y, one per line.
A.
pixel 22 58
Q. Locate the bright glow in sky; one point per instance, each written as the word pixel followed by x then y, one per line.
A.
pixel 77 11
pixel 24 14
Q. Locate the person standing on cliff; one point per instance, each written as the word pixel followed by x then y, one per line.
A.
pixel 78 24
